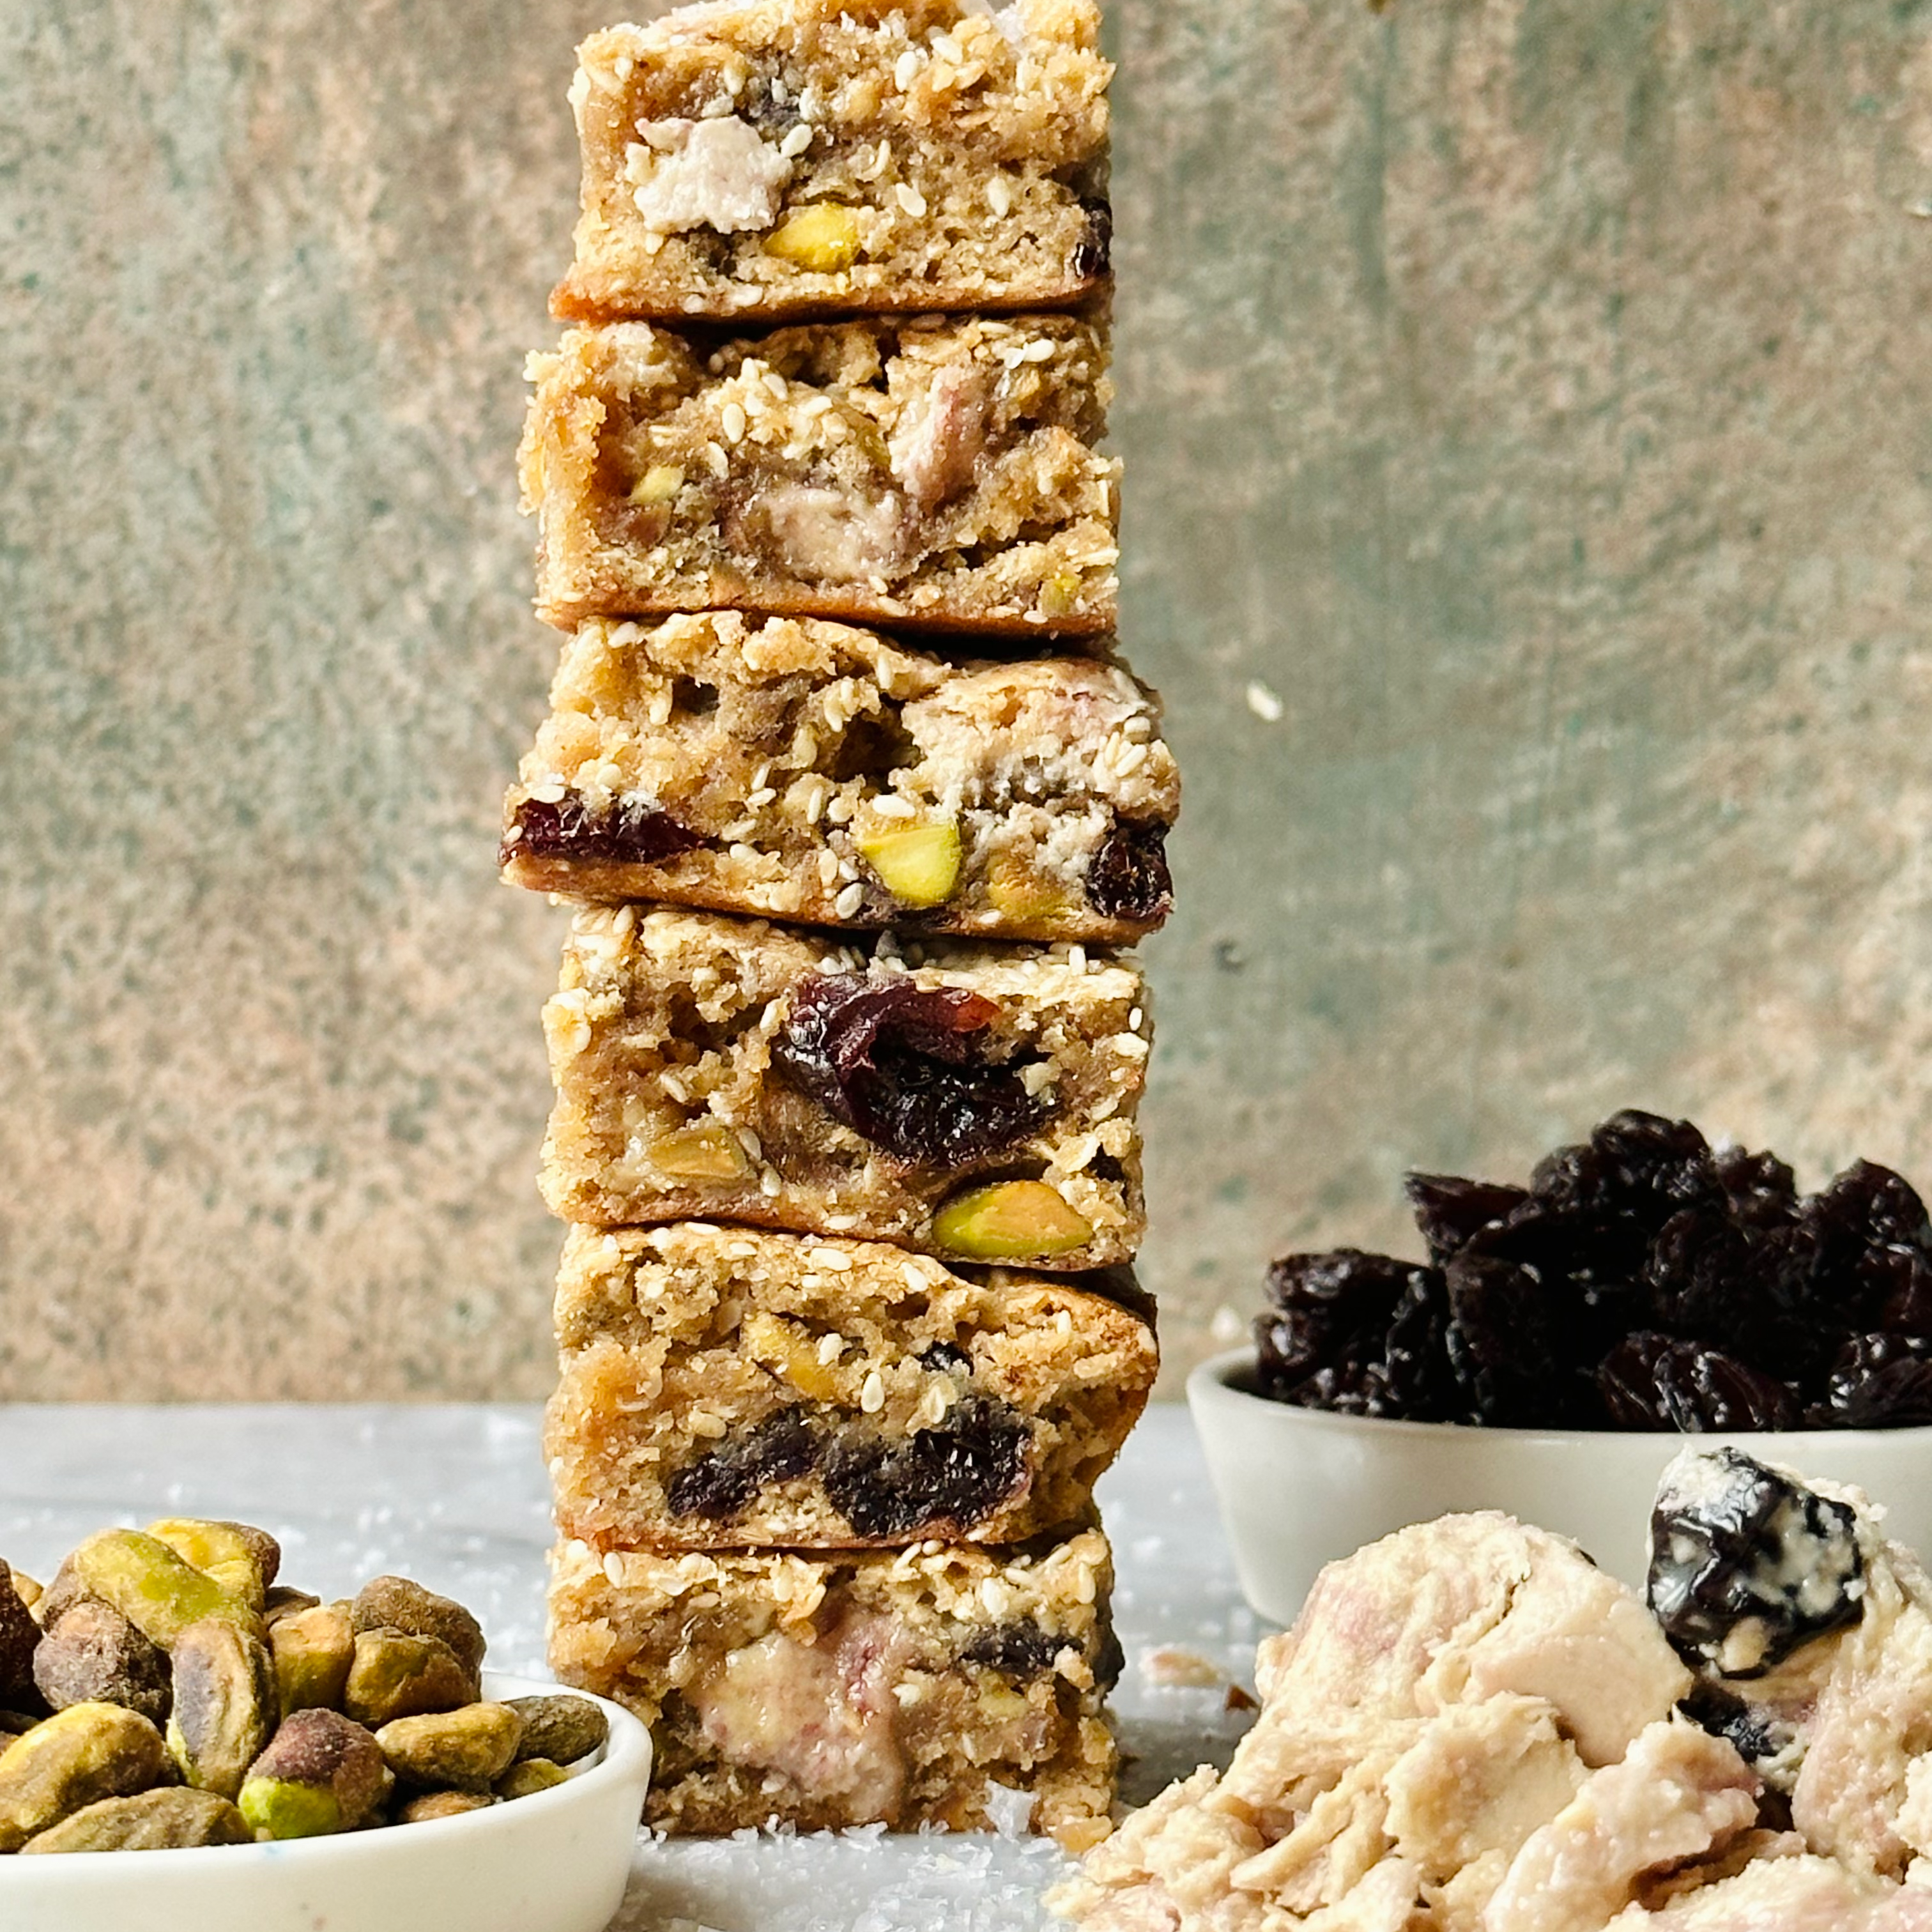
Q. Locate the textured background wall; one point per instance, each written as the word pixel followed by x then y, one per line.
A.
pixel 1528 396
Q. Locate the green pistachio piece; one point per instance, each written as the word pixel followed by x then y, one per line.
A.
pixel 1010 1221
pixel 394 1603
pixel 464 1750
pixel 433 1804
pixel 533 1774
pixel 171 1819
pixel 159 1592
pixel 238 1555
pixel 312 1649
pixel 919 865
pixel 321 1773
pixel 560 1727
pixel 18 1635
pixel 393 1675
pixel 93 1655
pixel 224 1704
pixel 80 1755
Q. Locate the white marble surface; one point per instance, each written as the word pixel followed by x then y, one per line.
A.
pixel 455 1495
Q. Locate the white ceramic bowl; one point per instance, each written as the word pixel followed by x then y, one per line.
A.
pixel 556 1861
pixel 1299 1488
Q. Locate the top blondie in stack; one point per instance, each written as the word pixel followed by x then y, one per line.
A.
pixel 846 1330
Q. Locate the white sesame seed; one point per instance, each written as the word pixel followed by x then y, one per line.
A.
pixel 872 1395
pixel 999 197
pixel 847 904
pixel 830 1348
pixel 904 68
pixel 910 199
pixel 731 420
pixel 795 143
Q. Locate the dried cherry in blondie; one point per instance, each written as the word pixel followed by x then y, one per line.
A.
pixel 904 1065
pixel 631 832
pixel 1128 876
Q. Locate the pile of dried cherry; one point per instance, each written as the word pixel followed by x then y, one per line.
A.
pixel 1643 1280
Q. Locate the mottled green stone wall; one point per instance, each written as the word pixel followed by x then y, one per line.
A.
pixel 1530 520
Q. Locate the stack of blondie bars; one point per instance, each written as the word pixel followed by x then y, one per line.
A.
pixel 855 802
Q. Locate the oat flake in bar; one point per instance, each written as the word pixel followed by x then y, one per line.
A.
pixel 812 772
pixel 939 473
pixel 933 1685
pixel 782 157
pixel 722 1388
pixel 974 1103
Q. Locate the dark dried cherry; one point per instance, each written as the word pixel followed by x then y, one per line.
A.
pixel 1019 1650
pixel 901 1064
pixel 1450 1211
pixel 1760 1189
pixel 1093 252
pixel 946 1479
pixel 720 1482
pixel 1747 1563
pixel 1880 1381
pixel 1498 1343
pixel 1637 1166
pixel 1127 877
pixel 631 833
pixel 1652 1381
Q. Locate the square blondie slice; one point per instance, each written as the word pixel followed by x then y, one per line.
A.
pixel 722 1388
pixel 782 157
pixel 941 473
pixel 939 1684
pixel 973 1102
pixel 810 771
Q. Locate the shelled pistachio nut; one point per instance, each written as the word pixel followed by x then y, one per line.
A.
pixel 224 1705
pixel 532 1775
pixel 433 1804
pixel 464 1750
pixel 170 1819
pixel 158 1591
pixel 80 1755
pixel 321 1773
pixel 393 1675
pixel 312 1650
pixel 919 865
pixel 560 1727
pixel 18 1634
pixel 1010 1221
pixel 238 1555
pixel 394 1603
pixel 282 1601
pixel 93 1655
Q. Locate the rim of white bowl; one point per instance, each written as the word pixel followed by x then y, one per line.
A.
pixel 1221 1378
pixel 626 1750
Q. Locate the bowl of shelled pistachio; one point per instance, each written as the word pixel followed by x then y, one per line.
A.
pixel 256 1758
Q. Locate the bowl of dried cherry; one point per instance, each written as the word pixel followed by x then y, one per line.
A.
pixel 1561 1338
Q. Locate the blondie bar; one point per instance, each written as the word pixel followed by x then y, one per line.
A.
pixel 935 1685
pixel 813 771
pixel 971 1102
pixel 936 473
pixel 789 157
pixel 723 1388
